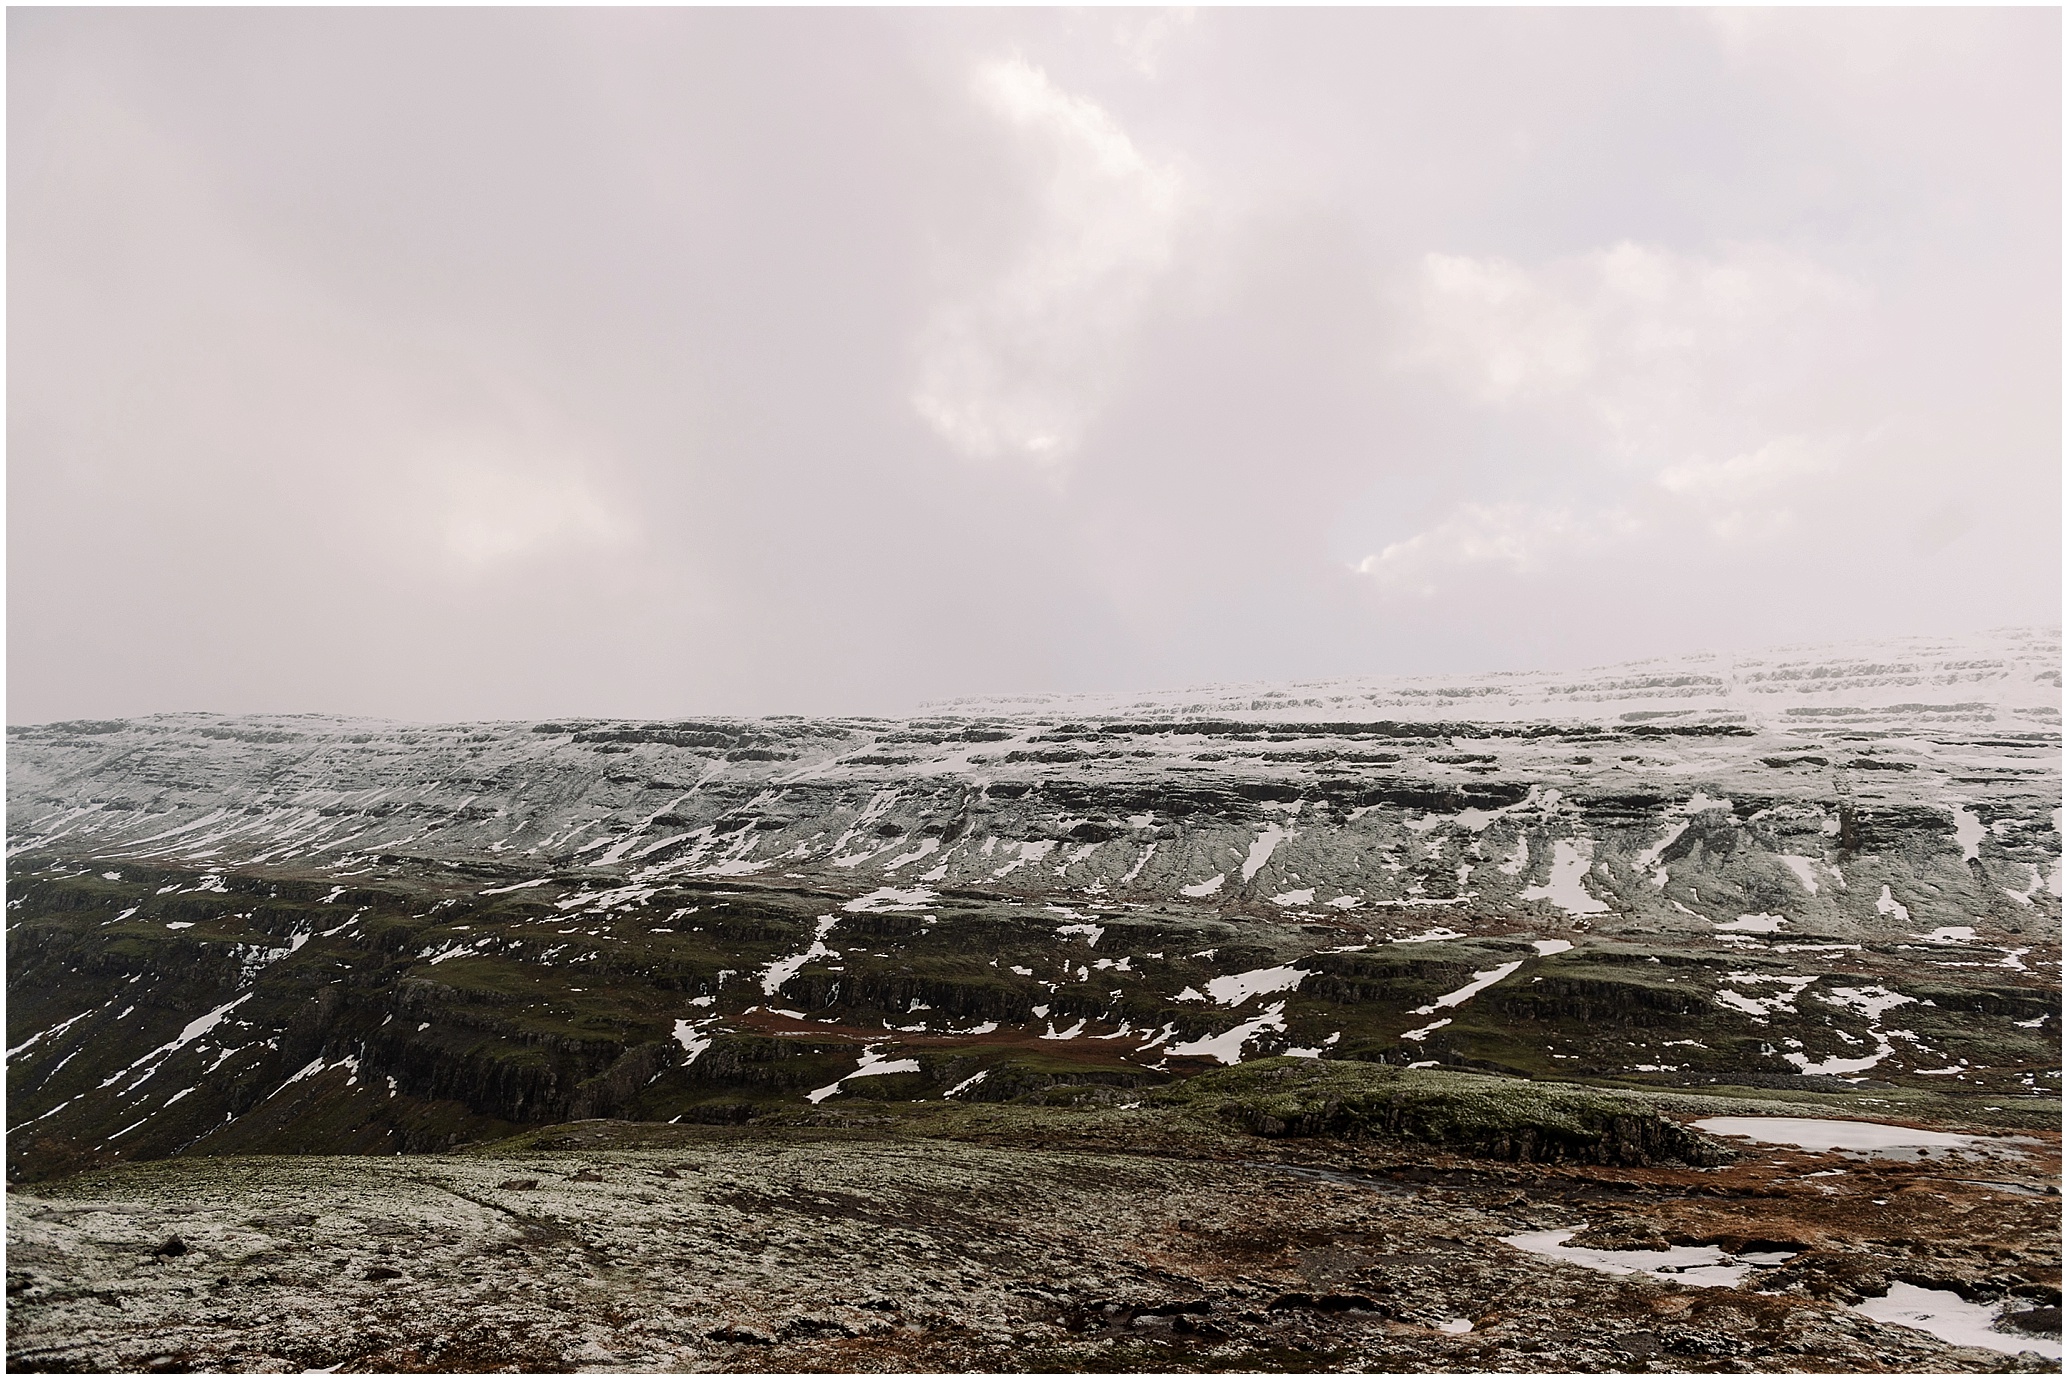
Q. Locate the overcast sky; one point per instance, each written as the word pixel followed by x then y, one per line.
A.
pixel 490 364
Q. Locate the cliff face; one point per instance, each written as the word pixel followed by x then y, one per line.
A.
pixel 307 933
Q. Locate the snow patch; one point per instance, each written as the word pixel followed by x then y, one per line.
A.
pixel 926 846
pixel 782 970
pixel 1237 988
pixel 194 1030
pixel 1817 1133
pixel 1519 860
pixel 1949 934
pixel 693 1037
pixel 1837 1064
pixel 1260 851
pixel 888 898
pixel 1763 1006
pixel 1227 1046
pixel 1968 833
pixel 1870 1002
pixel 1951 1318
pixel 1753 924
pixel 1029 853
pixel 1709 1266
pixel 1480 982
pixel 1800 866
pixel 1570 860
pixel 486 891
pixel 1649 858
pixel 872 1065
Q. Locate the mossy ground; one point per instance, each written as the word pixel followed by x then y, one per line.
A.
pixel 470 1015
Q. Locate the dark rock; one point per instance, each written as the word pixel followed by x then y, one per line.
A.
pixel 817 1325
pixel 2038 1322
pixel 1686 1341
pixel 1637 1345
pixel 1526 1123
pixel 171 1246
pixel 740 1332
pixel 1167 1310
pixel 585 1176
pixel 1621 1236
pixel 380 1272
pixel 518 1183
pixel 1327 1303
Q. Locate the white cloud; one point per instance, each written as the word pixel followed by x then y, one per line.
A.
pixel 1511 536
pixel 1635 333
pixel 1754 474
pixel 1498 333
pixel 1647 363
pixel 1142 37
pixel 490 510
pixel 1749 495
pixel 1019 365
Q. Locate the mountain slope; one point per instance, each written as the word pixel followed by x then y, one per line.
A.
pixel 293 932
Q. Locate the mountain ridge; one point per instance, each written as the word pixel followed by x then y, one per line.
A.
pixel 2015 670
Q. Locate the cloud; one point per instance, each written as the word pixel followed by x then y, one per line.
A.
pixel 1498 333
pixel 1632 332
pixel 489 512
pixel 1640 360
pixel 1143 37
pixel 1512 537
pixel 1018 366
pixel 1748 496
pixel 734 360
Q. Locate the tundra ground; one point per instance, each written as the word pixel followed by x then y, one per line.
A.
pixel 1013 1238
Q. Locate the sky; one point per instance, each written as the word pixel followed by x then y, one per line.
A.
pixel 492 364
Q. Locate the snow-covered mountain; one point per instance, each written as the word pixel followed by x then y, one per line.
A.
pixel 1690 871
pixel 2009 678
pixel 1274 792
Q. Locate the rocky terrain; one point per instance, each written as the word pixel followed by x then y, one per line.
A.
pixel 823 950
pixel 1009 1238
